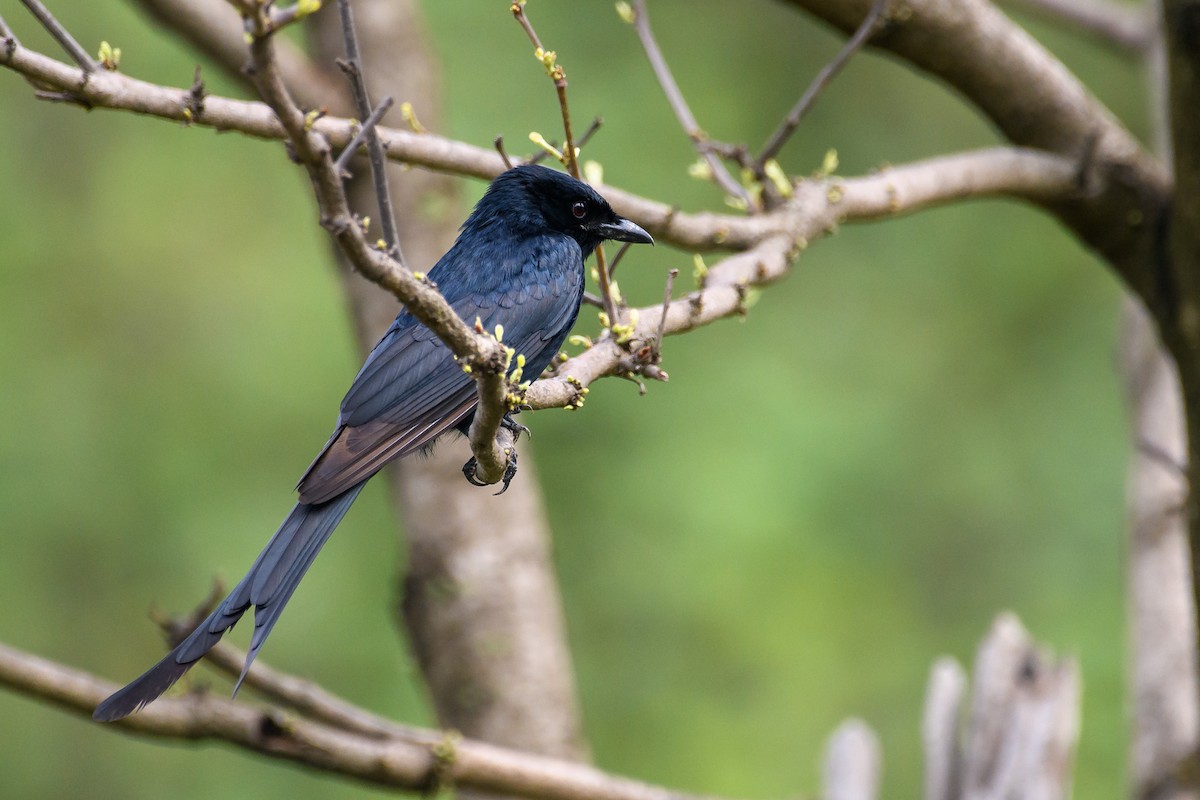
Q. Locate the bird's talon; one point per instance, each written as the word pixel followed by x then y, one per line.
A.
pixel 510 472
pixel 514 427
pixel 470 469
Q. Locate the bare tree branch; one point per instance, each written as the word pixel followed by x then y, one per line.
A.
pixel 362 104
pixel 436 759
pixel 789 124
pixel 556 73
pixel 1035 102
pixel 699 139
pixel 61 35
pixel 816 209
pixel 1128 27
pixel 6 32
pixel 215 29
pixel 703 231
pixel 304 697
pixel 367 126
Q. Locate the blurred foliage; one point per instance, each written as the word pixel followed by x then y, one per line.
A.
pixel 919 427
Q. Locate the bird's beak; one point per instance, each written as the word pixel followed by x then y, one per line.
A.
pixel 624 231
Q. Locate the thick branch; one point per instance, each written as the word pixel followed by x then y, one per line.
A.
pixel 1035 102
pixel 1035 176
pixel 437 759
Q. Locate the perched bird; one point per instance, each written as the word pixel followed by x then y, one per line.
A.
pixel 518 262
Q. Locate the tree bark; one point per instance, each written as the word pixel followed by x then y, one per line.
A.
pixel 1162 670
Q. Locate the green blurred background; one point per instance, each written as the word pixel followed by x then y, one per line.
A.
pixel 920 427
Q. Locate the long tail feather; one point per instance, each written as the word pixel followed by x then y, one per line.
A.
pixel 267 586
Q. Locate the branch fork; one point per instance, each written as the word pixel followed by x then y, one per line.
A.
pixel 483 355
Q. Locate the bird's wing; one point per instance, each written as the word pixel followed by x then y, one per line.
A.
pixel 410 390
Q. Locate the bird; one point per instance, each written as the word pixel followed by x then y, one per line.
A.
pixel 518 262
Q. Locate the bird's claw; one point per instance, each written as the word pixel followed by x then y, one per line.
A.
pixel 515 428
pixel 471 471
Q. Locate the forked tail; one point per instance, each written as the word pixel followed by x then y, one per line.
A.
pixel 267 586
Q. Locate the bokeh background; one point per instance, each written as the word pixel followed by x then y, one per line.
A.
pixel 920 427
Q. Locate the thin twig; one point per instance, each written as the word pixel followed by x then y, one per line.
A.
pixel 498 143
pixel 362 102
pixel 305 697
pixel 590 132
pixel 789 124
pixel 364 130
pixel 662 322
pixel 6 32
pixel 557 74
pixel 62 97
pixel 593 300
pixel 641 24
pixel 604 278
pixel 542 153
pixel 612 268
pixel 570 148
pixel 60 34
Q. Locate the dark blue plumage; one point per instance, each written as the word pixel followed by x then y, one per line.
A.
pixel 518 262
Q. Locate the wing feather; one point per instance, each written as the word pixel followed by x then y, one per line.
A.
pixel 410 390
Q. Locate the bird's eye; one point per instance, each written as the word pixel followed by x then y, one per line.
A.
pixel 579 210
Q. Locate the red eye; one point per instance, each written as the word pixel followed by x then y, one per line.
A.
pixel 579 210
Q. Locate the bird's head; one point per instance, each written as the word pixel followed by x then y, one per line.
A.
pixel 537 198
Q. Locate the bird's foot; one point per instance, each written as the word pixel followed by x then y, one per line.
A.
pixel 471 470
pixel 515 428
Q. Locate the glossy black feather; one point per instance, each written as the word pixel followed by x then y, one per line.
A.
pixel 518 262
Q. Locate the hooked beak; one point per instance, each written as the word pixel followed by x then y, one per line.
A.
pixel 623 231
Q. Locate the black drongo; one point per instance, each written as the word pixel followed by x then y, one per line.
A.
pixel 518 262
